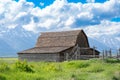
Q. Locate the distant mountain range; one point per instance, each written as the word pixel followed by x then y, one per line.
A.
pixel 15 40
pixel 105 42
pixel 18 39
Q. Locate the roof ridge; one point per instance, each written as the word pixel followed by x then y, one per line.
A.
pixel 52 46
pixel 63 31
pixel 57 36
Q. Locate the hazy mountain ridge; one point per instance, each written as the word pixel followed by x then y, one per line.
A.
pixel 106 42
pixel 18 39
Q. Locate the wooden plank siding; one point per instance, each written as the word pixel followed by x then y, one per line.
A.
pixel 40 57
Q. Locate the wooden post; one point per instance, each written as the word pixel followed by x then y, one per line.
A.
pixel 106 54
pixel 76 52
pixel 119 52
pixel 103 54
pixel 110 53
pixel 79 52
pixel 72 54
pixel 94 51
pixel 117 55
pixel 67 57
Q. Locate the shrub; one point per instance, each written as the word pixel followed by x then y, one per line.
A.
pixel 96 68
pixel 82 65
pixel 79 64
pixel 39 78
pixel 116 76
pixel 2 77
pixel 23 66
pixel 53 67
pixel 94 60
pixel 4 67
pixel 73 77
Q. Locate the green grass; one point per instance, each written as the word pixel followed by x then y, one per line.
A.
pixel 9 58
pixel 94 69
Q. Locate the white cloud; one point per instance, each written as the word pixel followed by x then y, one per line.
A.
pixel 31 26
pixel 90 1
pixel 59 15
pixel 70 21
pixel 41 4
pixel 106 28
pixel 107 33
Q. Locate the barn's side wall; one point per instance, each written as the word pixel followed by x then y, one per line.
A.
pixel 83 54
pixel 39 57
pixel 82 40
pixel 88 53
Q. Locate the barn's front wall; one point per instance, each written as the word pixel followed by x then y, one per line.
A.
pixel 39 57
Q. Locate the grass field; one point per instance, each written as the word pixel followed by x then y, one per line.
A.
pixel 9 58
pixel 94 69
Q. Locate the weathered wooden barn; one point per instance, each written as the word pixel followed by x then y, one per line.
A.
pixel 60 46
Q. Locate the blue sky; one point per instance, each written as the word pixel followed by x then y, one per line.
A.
pixel 48 2
pixel 43 3
pixel 116 19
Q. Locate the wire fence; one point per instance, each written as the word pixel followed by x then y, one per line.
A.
pixel 110 54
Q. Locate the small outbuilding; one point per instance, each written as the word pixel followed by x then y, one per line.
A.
pixel 60 46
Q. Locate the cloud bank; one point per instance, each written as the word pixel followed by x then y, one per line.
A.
pixel 60 15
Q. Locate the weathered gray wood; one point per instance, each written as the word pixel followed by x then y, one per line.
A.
pixel 67 56
pixel 119 52
pixel 103 54
pixel 72 54
pixel 110 53
pixel 94 51
pixel 106 55
pixel 39 57
pixel 78 52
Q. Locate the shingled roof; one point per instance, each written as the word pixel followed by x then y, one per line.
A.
pixel 45 50
pixel 52 42
pixel 56 39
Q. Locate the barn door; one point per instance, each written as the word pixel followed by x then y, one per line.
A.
pixel 62 57
pixel 75 53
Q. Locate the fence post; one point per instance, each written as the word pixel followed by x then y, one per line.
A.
pixel 106 54
pixel 76 55
pixel 103 54
pixel 110 53
pixel 94 51
pixel 119 52
pixel 117 55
